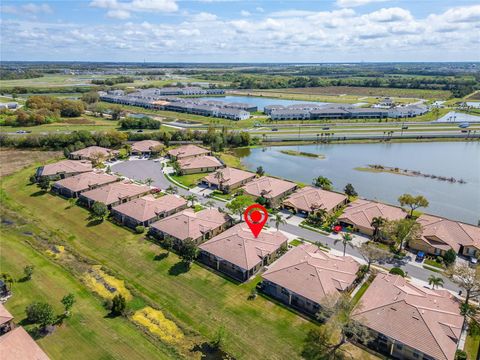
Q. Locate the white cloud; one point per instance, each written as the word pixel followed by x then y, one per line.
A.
pixel 245 13
pixel 121 10
pixel 118 14
pixel 204 16
pixel 355 3
pixel 260 9
pixel 338 35
pixel 37 9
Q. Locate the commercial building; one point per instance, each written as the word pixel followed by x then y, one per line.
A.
pixel 237 253
pixel 306 275
pixel 409 321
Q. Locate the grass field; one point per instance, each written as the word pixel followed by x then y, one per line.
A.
pixel 13 160
pixel 189 180
pixel 198 300
pixel 355 92
pixel 88 334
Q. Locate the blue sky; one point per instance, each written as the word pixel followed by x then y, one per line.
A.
pixel 241 31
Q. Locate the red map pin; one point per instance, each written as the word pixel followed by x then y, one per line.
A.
pixel 255 216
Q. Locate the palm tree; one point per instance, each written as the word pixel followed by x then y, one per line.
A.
pixel 8 280
pixel 279 220
pixel 210 204
pixel 435 281
pixel 192 198
pixel 219 177
pixel 377 223
pixel 171 190
pixel 345 240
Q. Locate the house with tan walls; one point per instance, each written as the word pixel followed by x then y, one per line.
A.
pixel 93 153
pixel 410 321
pixel 114 194
pixel 272 189
pixel 227 179
pixel 190 225
pixel 199 164
pixel 146 147
pixel 360 213
pixel 63 169
pixel 73 186
pixel 306 275
pixel 187 151
pixel 237 253
pixel 148 209
pixel 308 200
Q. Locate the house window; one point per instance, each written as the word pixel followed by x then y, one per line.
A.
pixel 399 346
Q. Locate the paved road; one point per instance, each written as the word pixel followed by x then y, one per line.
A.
pixel 143 169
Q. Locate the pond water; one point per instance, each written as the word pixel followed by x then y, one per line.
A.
pixel 460 160
pixel 260 102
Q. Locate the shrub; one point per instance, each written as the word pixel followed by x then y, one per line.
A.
pixel 439 259
pixel 460 355
pixel 397 271
pixel 362 271
pixel 449 257
pixel 140 229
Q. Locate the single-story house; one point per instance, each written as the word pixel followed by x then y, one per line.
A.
pixel 17 344
pixel 147 209
pixel 114 194
pixel 190 225
pixel 227 179
pixel 73 186
pixel 146 147
pixel 237 253
pixel 272 189
pixel 410 321
pixel 305 275
pixel 63 169
pixel 309 199
pixel 6 320
pixel 360 213
pixel 187 151
pixel 440 235
pixel 93 153
pixel 199 164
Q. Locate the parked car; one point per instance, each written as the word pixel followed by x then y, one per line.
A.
pixel 420 256
pixel 274 129
pixel 326 128
pixel 473 261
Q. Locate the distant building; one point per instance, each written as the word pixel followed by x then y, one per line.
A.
pixel 289 114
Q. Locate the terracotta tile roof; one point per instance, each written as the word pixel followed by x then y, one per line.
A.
pixel 148 207
pixel 187 151
pixel 114 192
pixel 424 319
pixel 361 212
pixel 188 224
pixel 231 176
pixel 67 167
pixel 5 315
pixel 84 181
pixel 310 198
pixel 238 246
pixel 145 145
pixel 445 234
pixel 199 162
pixel 312 273
pixel 268 187
pixel 91 151
pixel 18 345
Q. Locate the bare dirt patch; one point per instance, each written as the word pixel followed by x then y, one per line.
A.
pixel 13 160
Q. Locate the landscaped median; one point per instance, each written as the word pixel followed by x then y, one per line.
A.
pixel 198 301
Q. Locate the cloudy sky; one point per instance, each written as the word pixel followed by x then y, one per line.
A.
pixel 241 31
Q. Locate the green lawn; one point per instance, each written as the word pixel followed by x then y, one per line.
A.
pixel 199 301
pixel 189 180
pixel 356 298
pixel 296 242
pixel 88 334
pixel 472 346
